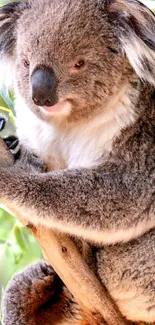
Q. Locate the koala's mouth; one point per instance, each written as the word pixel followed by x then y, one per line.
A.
pixel 63 106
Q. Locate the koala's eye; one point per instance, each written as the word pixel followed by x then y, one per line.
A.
pixel 26 63
pixel 80 64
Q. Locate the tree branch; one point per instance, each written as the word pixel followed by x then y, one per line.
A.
pixel 68 263
pixel 60 251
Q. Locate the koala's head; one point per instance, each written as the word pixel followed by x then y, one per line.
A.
pixel 71 58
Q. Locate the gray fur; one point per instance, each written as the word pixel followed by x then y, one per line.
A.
pixel 111 204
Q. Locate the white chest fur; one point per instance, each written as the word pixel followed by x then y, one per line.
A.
pixel 82 145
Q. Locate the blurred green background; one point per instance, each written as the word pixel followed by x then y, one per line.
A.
pixel 17 247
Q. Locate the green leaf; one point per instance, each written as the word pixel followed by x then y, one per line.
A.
pixel 6 99
pixel 17 247
pixel 20 238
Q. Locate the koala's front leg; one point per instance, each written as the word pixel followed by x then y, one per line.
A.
pixel 105 205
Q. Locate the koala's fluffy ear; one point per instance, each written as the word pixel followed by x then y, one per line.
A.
pixel 135 27
pixel 9 15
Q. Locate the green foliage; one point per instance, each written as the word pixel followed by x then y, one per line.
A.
pixel 3 2
pixel 17 247
pixel 7 99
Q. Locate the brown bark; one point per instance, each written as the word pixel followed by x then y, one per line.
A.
pixel 63 255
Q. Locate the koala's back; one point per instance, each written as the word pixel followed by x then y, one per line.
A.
pixel 128 272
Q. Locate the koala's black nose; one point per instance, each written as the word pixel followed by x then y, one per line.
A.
pixel 43 82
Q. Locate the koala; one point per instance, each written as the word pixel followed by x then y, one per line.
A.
pixel 84 78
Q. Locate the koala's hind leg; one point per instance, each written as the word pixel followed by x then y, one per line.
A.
pixel 37 296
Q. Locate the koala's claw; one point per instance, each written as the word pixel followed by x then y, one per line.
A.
pixel 2 124
pixel 24 160
pixel 12 143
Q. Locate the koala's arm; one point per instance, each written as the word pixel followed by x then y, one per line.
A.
pixel 108 204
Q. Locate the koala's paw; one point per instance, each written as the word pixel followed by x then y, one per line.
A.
pixel 12 143
pixel 9 150
pixel 27 292
pixel 24 159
